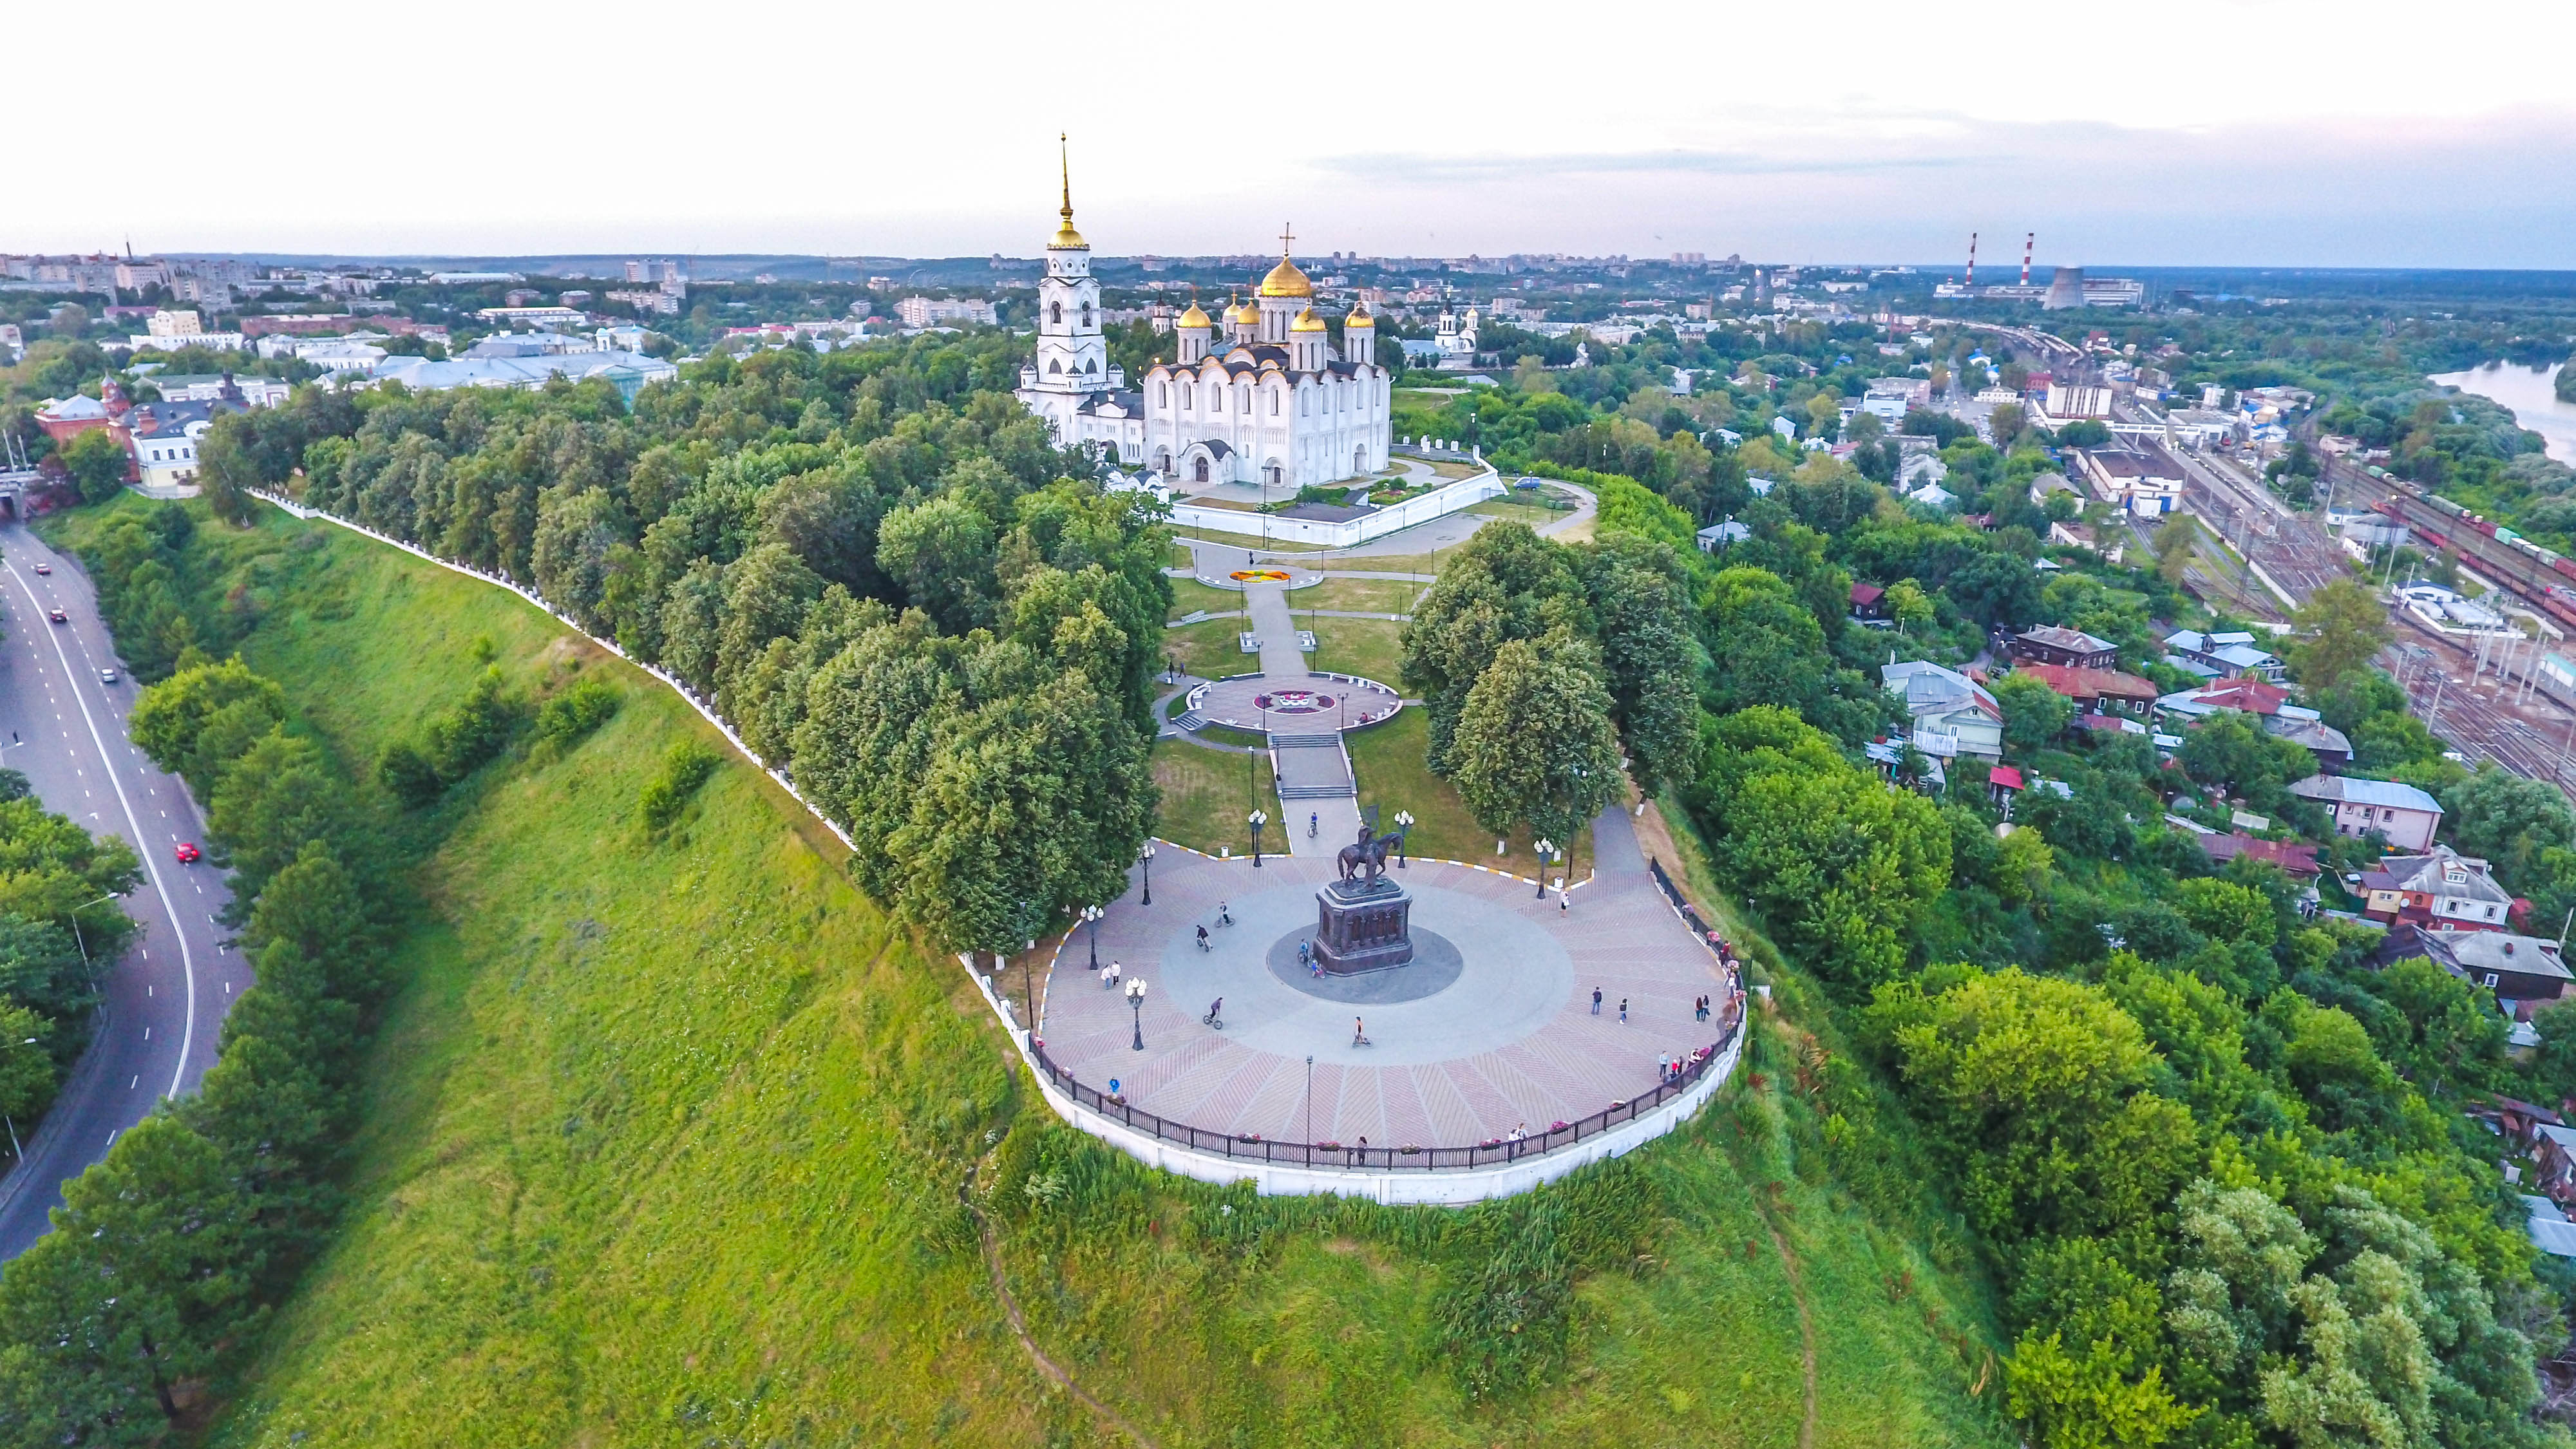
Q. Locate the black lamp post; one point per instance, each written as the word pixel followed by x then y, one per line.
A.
pixel 1136 999
pixel 1546 848
pixel 1093 914
pixel 1145 858
pixel 1403 828
pixel 1256 820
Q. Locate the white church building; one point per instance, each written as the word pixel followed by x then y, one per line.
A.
pixel 1270 403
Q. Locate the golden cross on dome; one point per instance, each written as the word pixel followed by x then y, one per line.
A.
pixel 1285 236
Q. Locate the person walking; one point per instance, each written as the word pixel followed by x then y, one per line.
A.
pixel 1561 908
pixel 1203 945
pixel 1623 1010
pixel 1596 1001
pixel 1359 1032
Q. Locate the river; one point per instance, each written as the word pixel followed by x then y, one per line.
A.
pixel 2531 394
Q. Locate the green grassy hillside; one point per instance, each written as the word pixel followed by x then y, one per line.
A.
pixel 666 1137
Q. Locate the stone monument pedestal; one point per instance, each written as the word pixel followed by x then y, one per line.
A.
pixel 1363 926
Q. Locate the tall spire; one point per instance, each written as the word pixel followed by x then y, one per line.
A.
pixel 1066 238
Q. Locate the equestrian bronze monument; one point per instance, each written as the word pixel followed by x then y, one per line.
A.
pixel 1364 921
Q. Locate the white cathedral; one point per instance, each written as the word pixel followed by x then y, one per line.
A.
pixel 1273 404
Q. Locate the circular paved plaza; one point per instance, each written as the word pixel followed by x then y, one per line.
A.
pixel 1315 704
pixel 1490 1028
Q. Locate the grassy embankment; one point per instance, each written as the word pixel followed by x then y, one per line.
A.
pixel 664 1138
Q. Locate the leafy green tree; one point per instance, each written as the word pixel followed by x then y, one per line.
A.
pixel 2342 627
pixel 2034 714
pixel 2232 753
pixel 2453 1033
pixel 1909 606
pixel 1505 583
pixel 1833 858
pixel 2038 1087
pixel 278 797
pixel 941 553
pixel 26 1068
pixel 2508 820
pixel 1535 746
pixel 171 719
pixel 97 464
pixel 1650 661
pixel 1997 590
pixel 133 1294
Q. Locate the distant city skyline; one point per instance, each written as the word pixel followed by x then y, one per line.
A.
pixel 2231 133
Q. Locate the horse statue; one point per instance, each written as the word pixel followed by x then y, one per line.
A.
pixel 1364 860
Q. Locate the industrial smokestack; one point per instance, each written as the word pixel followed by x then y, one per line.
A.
pixel 2027 241
pixel 1972 259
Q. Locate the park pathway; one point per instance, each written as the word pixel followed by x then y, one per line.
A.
pixel 1314 770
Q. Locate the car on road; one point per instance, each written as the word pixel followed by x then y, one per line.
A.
pixel 107 676
pixel 187 852
pixel 58 616
pixel 44 568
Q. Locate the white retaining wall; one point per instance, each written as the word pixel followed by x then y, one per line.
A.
pixel 1438 503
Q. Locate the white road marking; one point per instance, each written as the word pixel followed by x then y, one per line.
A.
pixel 147 1033
pixel 130 1086
pixel 228 988
pixel 187 963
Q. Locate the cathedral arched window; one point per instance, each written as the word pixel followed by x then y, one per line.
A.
pixel 1162 396
pixel 1086 314
pixel 1055 313
pixel 1055 367
pixel 1274 404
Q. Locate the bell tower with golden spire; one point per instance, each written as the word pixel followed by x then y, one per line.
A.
pixel 1072 355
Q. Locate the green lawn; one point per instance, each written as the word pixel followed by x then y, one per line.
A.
pixel 663 1140
pixel 1387 761
pixel 1365 596
pixel 1365 647
pixel 1190 594
pixel 1395 563
pixel 1207 794
pixel 1210 648
pixel 1513 510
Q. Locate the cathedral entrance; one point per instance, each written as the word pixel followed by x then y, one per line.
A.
pixel 1201 468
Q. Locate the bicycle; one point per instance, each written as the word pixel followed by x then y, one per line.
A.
pixel 1212 1019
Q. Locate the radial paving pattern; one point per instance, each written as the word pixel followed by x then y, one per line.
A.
pixel 1511 1041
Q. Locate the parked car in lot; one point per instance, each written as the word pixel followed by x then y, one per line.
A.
pixel 107 676
pixel 58 616
pixel 187 852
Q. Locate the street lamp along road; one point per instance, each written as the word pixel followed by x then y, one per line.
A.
pixel 74 916
pixel 1546 849
pixel 1145 858
pixel 1093 915
pixel 1403 828
pixel 1136 999
pixel 1256 820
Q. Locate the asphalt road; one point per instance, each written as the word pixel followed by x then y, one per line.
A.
pixel 165 1001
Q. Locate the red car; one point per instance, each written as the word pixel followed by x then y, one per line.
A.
pixel 58 616
pixel 187 852
pixel 44 568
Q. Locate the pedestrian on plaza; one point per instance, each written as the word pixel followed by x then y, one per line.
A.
pixel 1116 971
pixel 1623 1010
pixel 1359 1032
pixel 1596 1001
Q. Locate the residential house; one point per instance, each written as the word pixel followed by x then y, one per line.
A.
pixel 2405 816
pixel 1715 537
pixel 2554 1153
pixel 2443 889
pixel 2223 656
pixel 1951 713
pixel 2096 691
pixel 2067 648
pixel 2524 972
pixel 163 438
pixel 2270 704
pixel 2299 862
pixel 1868 601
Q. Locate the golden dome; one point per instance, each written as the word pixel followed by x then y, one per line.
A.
pixel 1248 315
pixel 1307 321
pixel 1286 281
pixel 1359 315
pixel 1193 318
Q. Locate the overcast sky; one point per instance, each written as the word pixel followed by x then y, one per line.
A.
pixel 2227 132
